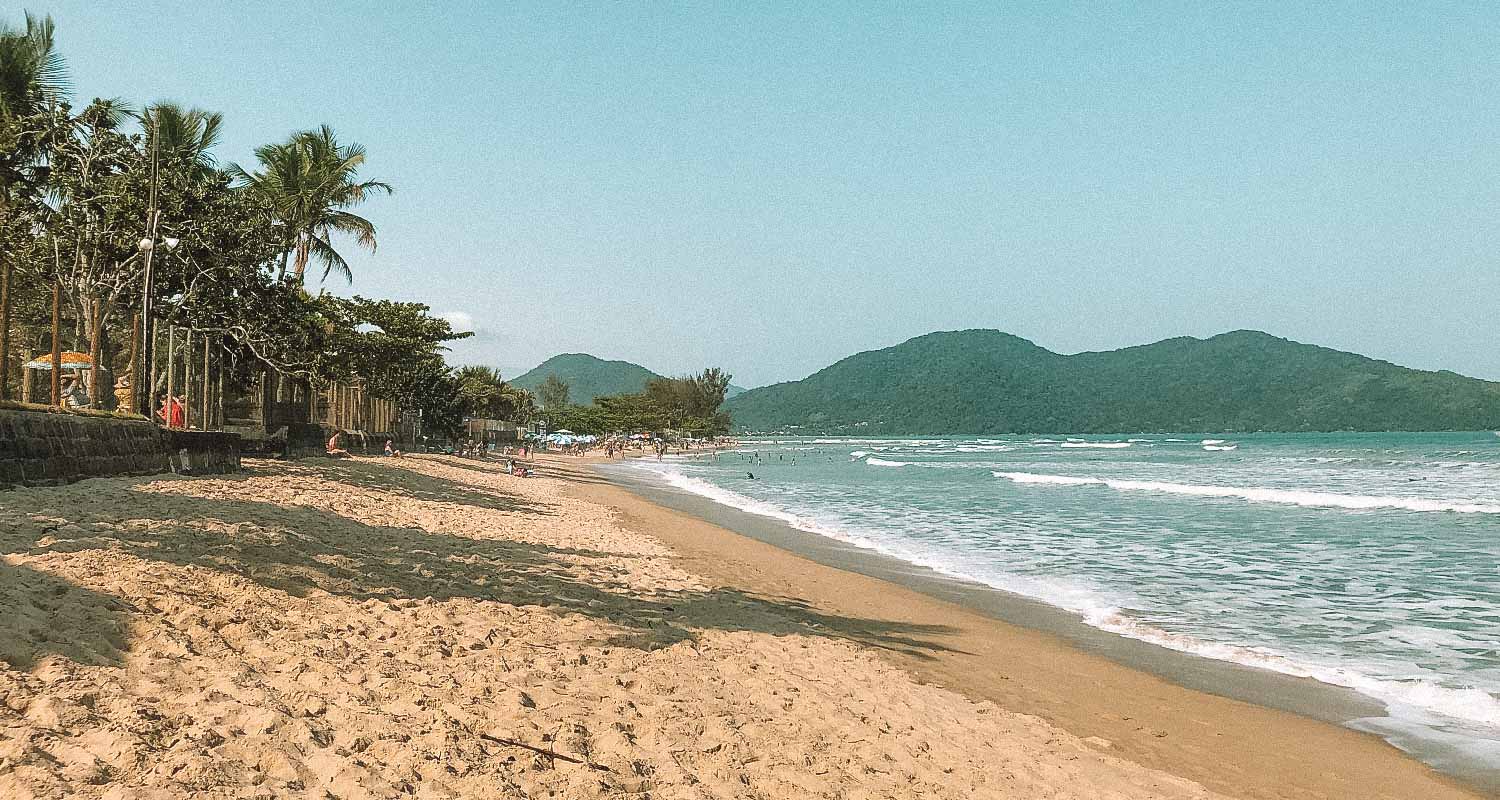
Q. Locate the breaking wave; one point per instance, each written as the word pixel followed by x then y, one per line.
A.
pixel 1358 502
pixel 1471 704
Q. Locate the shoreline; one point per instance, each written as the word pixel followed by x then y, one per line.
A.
pixel 1020 656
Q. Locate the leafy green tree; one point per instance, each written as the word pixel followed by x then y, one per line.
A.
pixel 480 388
pixel 579 419
pixel 553 393
pixel 32 80
pixel 691 403
pixel 311 181
pixel 709 390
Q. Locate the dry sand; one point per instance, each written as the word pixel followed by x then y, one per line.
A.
pixel 429 627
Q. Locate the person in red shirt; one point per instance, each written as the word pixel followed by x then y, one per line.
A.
pixel 171 412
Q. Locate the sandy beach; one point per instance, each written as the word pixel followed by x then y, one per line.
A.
pixel 430 627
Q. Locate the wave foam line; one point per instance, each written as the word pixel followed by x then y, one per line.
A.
pixel 1259 495
pixel 1472 704
pixel 880 462
pixel 1103 445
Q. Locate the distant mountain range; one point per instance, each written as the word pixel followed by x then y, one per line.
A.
pixel 986 381
pixel 589 377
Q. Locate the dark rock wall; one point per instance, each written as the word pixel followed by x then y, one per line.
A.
pixel 43 448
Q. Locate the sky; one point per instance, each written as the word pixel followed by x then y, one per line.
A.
pixel 771 187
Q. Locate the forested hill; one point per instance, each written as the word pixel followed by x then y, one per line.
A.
pixel 588 377
pixel 985 381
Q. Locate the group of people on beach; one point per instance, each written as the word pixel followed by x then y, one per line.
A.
pixel 335 447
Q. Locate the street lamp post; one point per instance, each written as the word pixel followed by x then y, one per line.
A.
pixel 147 247
pixel 143 375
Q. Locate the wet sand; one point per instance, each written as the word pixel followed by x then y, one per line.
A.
pixel 430 627
pixel 1238 748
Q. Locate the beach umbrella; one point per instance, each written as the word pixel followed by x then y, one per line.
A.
pixel 71 360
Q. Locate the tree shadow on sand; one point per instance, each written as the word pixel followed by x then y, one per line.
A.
pixel 298 549
pixel 43 614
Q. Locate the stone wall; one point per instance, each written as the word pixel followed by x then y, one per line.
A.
pixel 203 452
pixel 42 447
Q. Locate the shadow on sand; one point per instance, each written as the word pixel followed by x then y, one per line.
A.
pixel 41 614
pixel 298 549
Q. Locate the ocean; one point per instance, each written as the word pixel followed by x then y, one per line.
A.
pixel 1366 561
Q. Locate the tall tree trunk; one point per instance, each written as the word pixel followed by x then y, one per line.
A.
pixel 187 380
pixel 150 368
pixel 171 372
pixel 219 395
pixel 4 328
pixel 26 357
pixel 56 341
pixel 95 340
pixel 203 401
pixel 135 344
pixel 300 268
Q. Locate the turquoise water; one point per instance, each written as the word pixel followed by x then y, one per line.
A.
pixel 1369 561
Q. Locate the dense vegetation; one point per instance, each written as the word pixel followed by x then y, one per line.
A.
pixel 688 405
pixel 984 381
pixel 86 192
pixel 587 377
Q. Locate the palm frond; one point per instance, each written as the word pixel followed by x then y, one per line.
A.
pixel 361 229
pixel 51 74
pixel 322 250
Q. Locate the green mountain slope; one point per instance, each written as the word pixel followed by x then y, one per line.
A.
pixel 588 377
pixel 983 381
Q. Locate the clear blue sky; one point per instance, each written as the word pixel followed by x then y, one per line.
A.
pixel 773 187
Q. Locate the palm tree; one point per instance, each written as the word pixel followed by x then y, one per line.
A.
pixel 311 180
pixel 185 137
pixel 522 404
pixel 32 75
pixel 32 80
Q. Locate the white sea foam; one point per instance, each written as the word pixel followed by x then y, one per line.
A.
pixel 1212 441
pixel 1065 480
pixel 880 462
pixel 1263 495
pixel 1101 445
pixel 726 497
pixel 859 454
pixel 1469 704
pixel 1404 698
pixel 1220 447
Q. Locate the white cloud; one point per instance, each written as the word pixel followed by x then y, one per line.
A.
pixel 459 321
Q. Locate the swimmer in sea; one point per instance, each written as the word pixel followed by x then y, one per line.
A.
pixel 751 475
